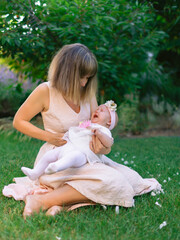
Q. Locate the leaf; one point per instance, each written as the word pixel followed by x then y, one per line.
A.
pixel 62 10
pixel 110 18
pixel 8 18
pixel 120 23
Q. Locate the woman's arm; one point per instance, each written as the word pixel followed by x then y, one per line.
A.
pixel 37 102
pixel 96 145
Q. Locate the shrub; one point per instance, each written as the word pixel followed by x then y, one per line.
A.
pixel 10 100
pixel 121 33
pixel 130 118
pixel 12 92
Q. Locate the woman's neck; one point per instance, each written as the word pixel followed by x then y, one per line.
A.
pixel 75 107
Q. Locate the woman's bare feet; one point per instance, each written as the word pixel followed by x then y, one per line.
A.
pixel 33 204
pixel 54 210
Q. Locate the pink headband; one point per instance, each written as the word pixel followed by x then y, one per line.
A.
pixel 112 107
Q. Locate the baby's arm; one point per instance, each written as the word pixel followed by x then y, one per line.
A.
pixel 104 138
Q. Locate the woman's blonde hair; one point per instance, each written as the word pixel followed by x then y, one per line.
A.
pixel 69 65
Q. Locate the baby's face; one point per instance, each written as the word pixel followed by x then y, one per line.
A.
pixel 101 116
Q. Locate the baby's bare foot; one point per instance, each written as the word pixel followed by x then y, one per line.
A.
pixel 33 205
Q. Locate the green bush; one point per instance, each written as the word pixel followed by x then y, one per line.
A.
pixel 168 55
pixel 130 118
pixel 11 99
pixel 121 34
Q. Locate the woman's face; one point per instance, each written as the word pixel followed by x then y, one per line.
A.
pixel 84 80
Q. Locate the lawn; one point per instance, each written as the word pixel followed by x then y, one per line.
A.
pixel 157 157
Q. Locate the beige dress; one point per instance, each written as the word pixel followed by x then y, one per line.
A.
pixel 110 183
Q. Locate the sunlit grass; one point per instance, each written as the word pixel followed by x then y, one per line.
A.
pixel 151 157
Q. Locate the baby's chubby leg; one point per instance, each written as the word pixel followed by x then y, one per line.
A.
pixel 74 159
pixel 38 170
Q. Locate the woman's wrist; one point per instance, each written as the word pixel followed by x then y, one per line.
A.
pixel 106 150
pixel 48 136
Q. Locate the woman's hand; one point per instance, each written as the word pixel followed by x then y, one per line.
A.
pixel 97 147
pixel 55 139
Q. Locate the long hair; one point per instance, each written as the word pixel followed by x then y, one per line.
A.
pixel 69 65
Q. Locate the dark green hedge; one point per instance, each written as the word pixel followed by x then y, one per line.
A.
pixel 121 34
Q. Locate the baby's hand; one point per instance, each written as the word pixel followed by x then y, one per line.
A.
pixel 96 132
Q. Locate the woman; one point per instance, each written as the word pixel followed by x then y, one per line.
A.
pixel 67 99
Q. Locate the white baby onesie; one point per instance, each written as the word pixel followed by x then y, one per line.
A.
pixel 80 139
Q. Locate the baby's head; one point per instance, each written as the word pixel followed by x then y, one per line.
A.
pixel 106 115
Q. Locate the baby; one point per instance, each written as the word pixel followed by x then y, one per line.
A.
pixel 76 152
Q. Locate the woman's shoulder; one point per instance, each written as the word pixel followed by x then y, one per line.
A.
pixel 41 92
pixel 43 87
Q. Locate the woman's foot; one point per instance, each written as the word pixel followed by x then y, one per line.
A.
pixel 54 210
pixel 33 204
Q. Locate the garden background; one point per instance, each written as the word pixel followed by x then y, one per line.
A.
pixel 137 45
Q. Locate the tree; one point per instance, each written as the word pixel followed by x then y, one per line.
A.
pixel 167 19
pixel 120 33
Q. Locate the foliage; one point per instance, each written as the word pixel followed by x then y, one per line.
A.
pixel 157 81
pixel 151 157
pixel 11 99
pixel 130 119
pixel 167 19
pixel 121 34
pixel 13 92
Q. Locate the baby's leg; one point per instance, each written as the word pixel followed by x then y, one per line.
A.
pixel 71 160
pixel 38 170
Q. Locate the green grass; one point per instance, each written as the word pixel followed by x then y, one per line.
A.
pixel 153 157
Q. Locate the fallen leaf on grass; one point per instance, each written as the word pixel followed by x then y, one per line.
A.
pixel 162 224
pixel 58 238
pixel 116 154
pixel 117 210
pixel 104 207
pixel 158 204
pixel 153 194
